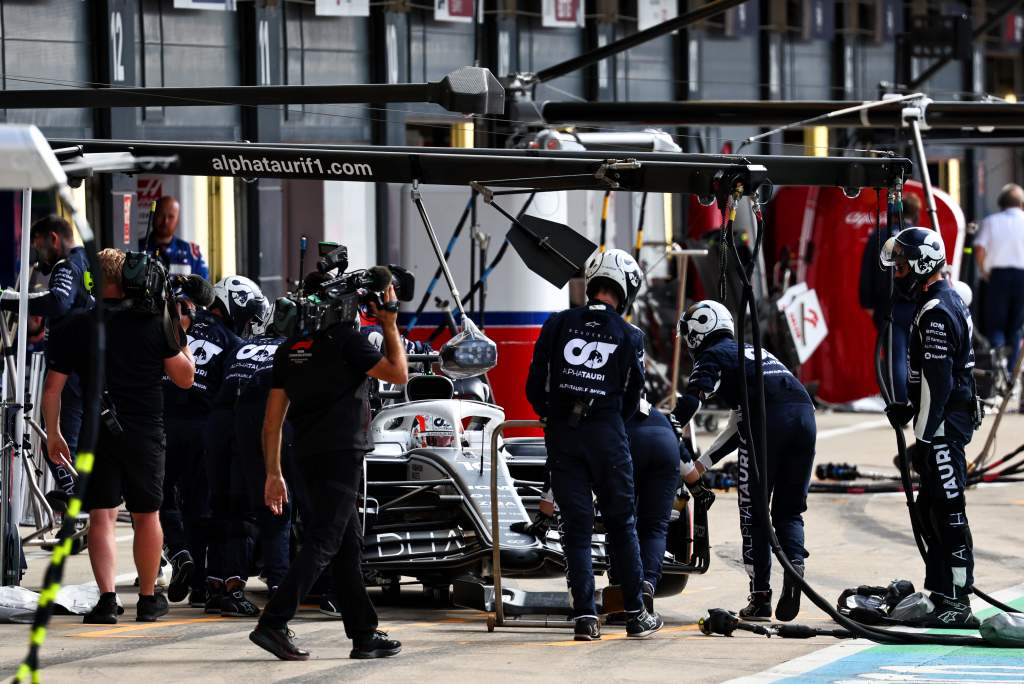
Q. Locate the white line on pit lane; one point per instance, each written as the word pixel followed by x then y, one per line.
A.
pixel 856 427
pixel 827 656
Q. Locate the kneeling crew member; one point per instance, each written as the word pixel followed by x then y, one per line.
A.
pixel 585 380
pixel 707 328
pixel 942 405
pixel 323 378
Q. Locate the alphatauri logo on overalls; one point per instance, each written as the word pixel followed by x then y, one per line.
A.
pixel 203 351
pixel 594 355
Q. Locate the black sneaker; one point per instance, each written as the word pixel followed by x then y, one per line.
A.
pixel 278 641
pixel 950 613
pixel 377 645
pixel 587 629
pixel 149 608
pixel 647 594
pixel 789 600
pixel 181 576
pixel 105 611
pixel 328 607
pixel 759 608
pixel 197 598
pixel 643 624
pixel 235 604
pixel 214 595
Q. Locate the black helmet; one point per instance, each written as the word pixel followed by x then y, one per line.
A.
pixel 916 254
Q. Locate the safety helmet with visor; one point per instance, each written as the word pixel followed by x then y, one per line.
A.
pixel 240 302
pixel 915 255
pixel 703 319
pixel 617 270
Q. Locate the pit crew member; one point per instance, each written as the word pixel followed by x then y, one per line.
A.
pixel 180 257
pixel 585 380
pixel 707 328
pixel 943 407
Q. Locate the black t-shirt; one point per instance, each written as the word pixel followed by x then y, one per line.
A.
pixel 212 345
pixel 325 379
pixel 135 354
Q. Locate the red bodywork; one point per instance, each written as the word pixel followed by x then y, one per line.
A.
pixel 830 233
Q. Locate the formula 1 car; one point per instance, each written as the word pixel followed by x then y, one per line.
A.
pixel 427 497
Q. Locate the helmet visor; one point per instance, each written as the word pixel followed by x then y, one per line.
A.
pixel 887 256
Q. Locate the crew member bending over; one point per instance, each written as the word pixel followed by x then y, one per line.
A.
pixel 707 328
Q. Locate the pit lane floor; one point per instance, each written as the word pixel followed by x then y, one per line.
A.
pixel 853 539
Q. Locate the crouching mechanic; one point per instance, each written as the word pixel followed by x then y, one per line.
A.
pixel 585 379
pixel 320 381
pixel 943 408
pixel 129 463
pixel 657 456
pixel 707 328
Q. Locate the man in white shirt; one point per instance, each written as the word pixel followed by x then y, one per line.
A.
pixel 999 251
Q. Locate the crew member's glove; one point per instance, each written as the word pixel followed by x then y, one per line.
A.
pixel 538 527
pixel 918 454
pixel 899 414
pixel 703 496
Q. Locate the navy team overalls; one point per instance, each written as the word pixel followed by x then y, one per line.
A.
pixel 585 379
pixel 941 388
pixel 237 470
pixel 185 509
pixel 791 438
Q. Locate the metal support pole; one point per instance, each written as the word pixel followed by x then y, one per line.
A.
pixel 498 619
pixel 926 178
pixel 442 262
pixel 682 257
pixel 6 471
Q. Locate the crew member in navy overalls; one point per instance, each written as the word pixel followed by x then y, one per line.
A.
pixel 944 410
pixel 585 381
pixel 707 328
pixel 184 514
pixel 69 286
pixel 180 257
pixel 240 303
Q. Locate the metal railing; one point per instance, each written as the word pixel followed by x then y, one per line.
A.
pixel 498 617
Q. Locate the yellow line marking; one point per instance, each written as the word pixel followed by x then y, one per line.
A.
pixel 122 631
pixel 616 636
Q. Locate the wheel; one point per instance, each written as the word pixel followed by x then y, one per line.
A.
pixel 711 424
pixel 671 585
pixel 439 594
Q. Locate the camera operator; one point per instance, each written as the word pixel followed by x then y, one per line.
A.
pixel 67 266
pixel 320 381
pixel 184 513
pixel 129 459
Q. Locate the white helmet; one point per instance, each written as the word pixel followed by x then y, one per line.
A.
pixel 240 301
pixel 702 319
pixel 965 292
pixel 617 269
